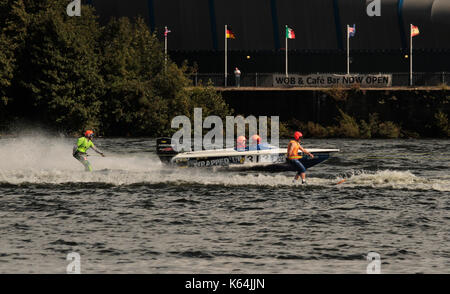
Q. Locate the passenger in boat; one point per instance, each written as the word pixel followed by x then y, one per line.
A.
pixel 240 143
pixel 255 144
pixel 294 159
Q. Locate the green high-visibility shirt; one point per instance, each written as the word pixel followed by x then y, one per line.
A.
pixel 84 144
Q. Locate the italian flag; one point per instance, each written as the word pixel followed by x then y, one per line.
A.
pixel 290 33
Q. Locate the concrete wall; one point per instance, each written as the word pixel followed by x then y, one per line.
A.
pixel 413 110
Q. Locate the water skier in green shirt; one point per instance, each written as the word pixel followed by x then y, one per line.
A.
pixel 83 144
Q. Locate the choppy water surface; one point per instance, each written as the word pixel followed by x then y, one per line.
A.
pixel 134 215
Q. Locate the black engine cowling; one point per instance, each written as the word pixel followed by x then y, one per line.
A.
pixel 164 149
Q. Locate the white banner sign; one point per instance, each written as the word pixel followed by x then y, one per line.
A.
pixel 331 80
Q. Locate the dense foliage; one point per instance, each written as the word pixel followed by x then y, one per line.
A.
pixel 71 73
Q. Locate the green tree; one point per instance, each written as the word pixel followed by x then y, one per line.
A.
pixel 6 69
pixel 143 94
pixel 131 61
pixel 72 74
pixel 13 24
pixel 58 70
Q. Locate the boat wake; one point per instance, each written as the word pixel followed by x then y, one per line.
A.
pixel 385 179
pixel 390 179
pixel 44 161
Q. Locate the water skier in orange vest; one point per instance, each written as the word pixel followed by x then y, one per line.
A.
pixel 294 158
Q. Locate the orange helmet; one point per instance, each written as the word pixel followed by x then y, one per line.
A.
pixel 89 134
pixel 256 139
pixel 241 141
pixel 297 135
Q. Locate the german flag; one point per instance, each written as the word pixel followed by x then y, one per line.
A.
pixel 230 34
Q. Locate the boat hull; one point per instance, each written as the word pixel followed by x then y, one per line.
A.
pixel 270 159
pixel 263 162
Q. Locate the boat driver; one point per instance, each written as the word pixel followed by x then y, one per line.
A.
pixel 240 143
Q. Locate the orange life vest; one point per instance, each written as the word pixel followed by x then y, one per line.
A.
pixel 293 152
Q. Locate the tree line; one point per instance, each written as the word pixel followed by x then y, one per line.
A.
pixel 72 73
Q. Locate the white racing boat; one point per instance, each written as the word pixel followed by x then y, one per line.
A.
pixel 273 159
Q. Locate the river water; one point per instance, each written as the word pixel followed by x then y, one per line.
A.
pixel 135 215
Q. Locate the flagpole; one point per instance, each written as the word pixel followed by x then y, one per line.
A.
pixel 226 69
pixel 165 49
pixel 285 33
pixel 410 56
pixel 348 52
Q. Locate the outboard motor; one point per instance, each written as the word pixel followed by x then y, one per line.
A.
pixel 164 149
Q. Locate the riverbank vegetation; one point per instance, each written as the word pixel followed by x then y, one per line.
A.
pixel 357 113
pixel 71 73
pixel 349 127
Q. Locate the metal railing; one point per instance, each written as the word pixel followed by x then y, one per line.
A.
pixel 266 79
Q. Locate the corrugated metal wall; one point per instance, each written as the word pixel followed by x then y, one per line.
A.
pixel 117 8
pixel 378 32
pixel 189 22
pixel 250 21
pixel 312 21
pixel 318 24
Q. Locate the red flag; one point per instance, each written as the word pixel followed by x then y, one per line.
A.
pixel 414 30
pixel 166 32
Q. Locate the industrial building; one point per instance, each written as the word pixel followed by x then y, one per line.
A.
pixel 381 43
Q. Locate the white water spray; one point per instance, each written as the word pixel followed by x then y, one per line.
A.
pixel 43 159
